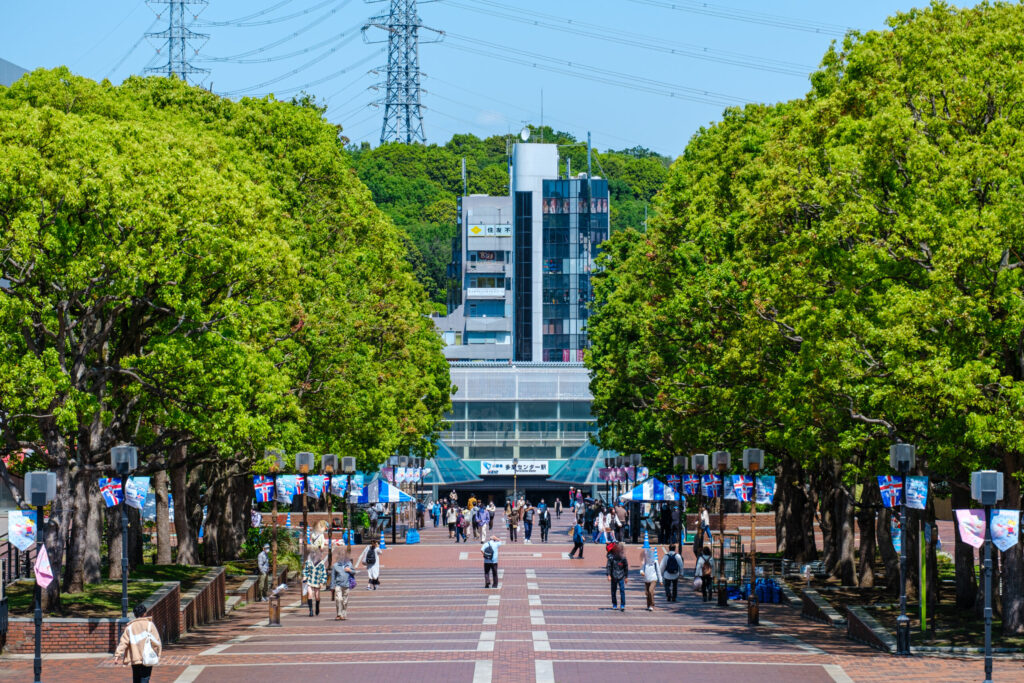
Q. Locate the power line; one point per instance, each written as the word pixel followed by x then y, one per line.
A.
pixel 254 15
pixel 132 49
pixel 319 58
pixel 596 74
pixel 289 55
pixel 747 16
pixel 242 23
pixel 259 50
pixel 332 76
pixel 603 33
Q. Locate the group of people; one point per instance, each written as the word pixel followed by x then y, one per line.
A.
pixel 522 513
pixel 475 518
pixel 668 571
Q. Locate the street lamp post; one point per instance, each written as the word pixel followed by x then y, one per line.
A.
pixel 304 463
pixel 634 462
pixel 124 460
pixel 329 464
pixel 722 462
pixel 609 464
pixel 40 489
pixel 987 489
pixel 681 463
pixel 348 468
pixel 515 481
pixel 901 459
pixel 753 460
pixel 699 463
pixel 276 465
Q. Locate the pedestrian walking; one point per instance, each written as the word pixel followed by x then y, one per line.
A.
pixel 370 558
pixel 139 646
pixel 343 579
pixel 558 508
pixel 451 519
pixel 618 575
pixel 435 513
pixel 671 568
pixel 474 519
pixel 483 521
pixel 460 526
pixel 544 519
pixel 421 511
pixel 512 517
pixel 314 577
pixel 490 552
pixel 263 566
pixel 705 524
pixel 704 572
pixel 577 540
pixel 528 514
pixel 650 574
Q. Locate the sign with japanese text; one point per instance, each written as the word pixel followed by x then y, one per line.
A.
pixel 505 467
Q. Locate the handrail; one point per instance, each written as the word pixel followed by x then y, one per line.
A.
pixel 15 564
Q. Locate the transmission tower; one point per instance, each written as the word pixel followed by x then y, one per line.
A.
pixel 178 39
pixel 403 118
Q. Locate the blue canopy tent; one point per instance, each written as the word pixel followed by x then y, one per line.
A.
pixel 652 491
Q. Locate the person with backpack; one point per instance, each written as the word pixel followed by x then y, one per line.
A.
pixel 528 513
pixel 460 526
pixel 370 558
pixel 704 572
pixel 671 568
pixel 544 519
pixel 490 552
pixel 343 580
pixel 577 540
pixel 618 575
pixel 139 646
pixel 512 519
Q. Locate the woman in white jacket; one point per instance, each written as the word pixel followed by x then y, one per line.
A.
pixel 651 574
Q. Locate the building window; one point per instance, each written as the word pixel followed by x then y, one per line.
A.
pixel 485 309
pixel 524 276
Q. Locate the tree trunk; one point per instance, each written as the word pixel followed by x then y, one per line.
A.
pixel 890 558
pixel 869 500
pixel 931 559
pixel 963 560
pixel 114 543
pixel 827 522
pixel 1013 558
pixel 791 501
pixel 83 556
pixel 227 522
pixel 807 524
pixel 845 561
pixel 135 540
pixel 913 553
pixel 179 489
pixel 163 520
pixel 57 530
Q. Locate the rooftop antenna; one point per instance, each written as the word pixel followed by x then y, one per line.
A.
pixel 465 192
pixel 542 114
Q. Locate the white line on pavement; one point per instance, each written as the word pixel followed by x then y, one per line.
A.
pixel 531 574
pixel 463 556
pixel 545 670
pixel 190 674
pixel 536 617
pixel 837 673
pixel 482 671
pixel 540 642
pixel 531 586
pixel 215 650
pixel 486 643
pixel 534 599
pixel 793 640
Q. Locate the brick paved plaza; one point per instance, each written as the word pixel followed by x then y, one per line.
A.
pixel 432 620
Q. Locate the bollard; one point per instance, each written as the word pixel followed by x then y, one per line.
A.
pixel 274 605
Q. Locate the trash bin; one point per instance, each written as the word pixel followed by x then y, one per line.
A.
pixel 274 605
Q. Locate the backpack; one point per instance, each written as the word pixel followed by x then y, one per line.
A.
pixel 672 565
pixel 488 552
pixel 371 557
pixel 705 569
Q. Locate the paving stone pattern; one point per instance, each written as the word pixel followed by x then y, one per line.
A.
pixel 550 620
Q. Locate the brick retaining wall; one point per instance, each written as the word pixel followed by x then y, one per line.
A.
pixel 204 602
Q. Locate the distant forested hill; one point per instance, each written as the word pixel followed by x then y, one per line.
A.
pixel 417 186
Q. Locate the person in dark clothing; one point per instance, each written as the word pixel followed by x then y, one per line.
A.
pixel 618 575
pixel 577 540
pixel 705 569
pixel 544 516
pixel 665 524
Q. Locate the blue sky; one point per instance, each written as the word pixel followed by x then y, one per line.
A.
pixel 634 72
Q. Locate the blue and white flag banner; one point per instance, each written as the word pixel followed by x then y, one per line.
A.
pixel 136 490
pixel 110 489
pixel 263 487
pixel 651 490
pixel 894 530
pixel 339 482
pixel 316 484
pixel 287 488
pixel 917 492
pixel 891 489
pixel 742 486
pixel 766 490
pixel 690 484
pixel 21 528
pixel 711 484
pixel 1005 528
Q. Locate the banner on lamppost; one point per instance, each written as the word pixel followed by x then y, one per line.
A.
pixel 894 530
pixel 711 483
pixel 971 524
pixel 338 484
pixel 691 483
pixel 316 484
pixel 21 528
pixel 891 489
pixel 742 486
pixel 917 492
pixel 766 490
pixel 110 488
pixel 287 488
pixel 136 489
pixel 1005 527
pixel 263 485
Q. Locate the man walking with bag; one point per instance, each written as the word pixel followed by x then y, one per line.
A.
pixel 577 540
pixel 343 579
pixel 139 646
pixel 671 569
pixel 490 552
pixel 263 565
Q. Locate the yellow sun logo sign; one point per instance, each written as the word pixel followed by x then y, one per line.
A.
pixel 476 230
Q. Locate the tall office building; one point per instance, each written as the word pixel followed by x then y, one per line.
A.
pixel 515 333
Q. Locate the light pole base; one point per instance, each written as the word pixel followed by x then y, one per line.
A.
pixel 723 595
pixel 903 635
pixel 753 613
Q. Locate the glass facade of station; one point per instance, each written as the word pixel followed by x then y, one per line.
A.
pixel 575 221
